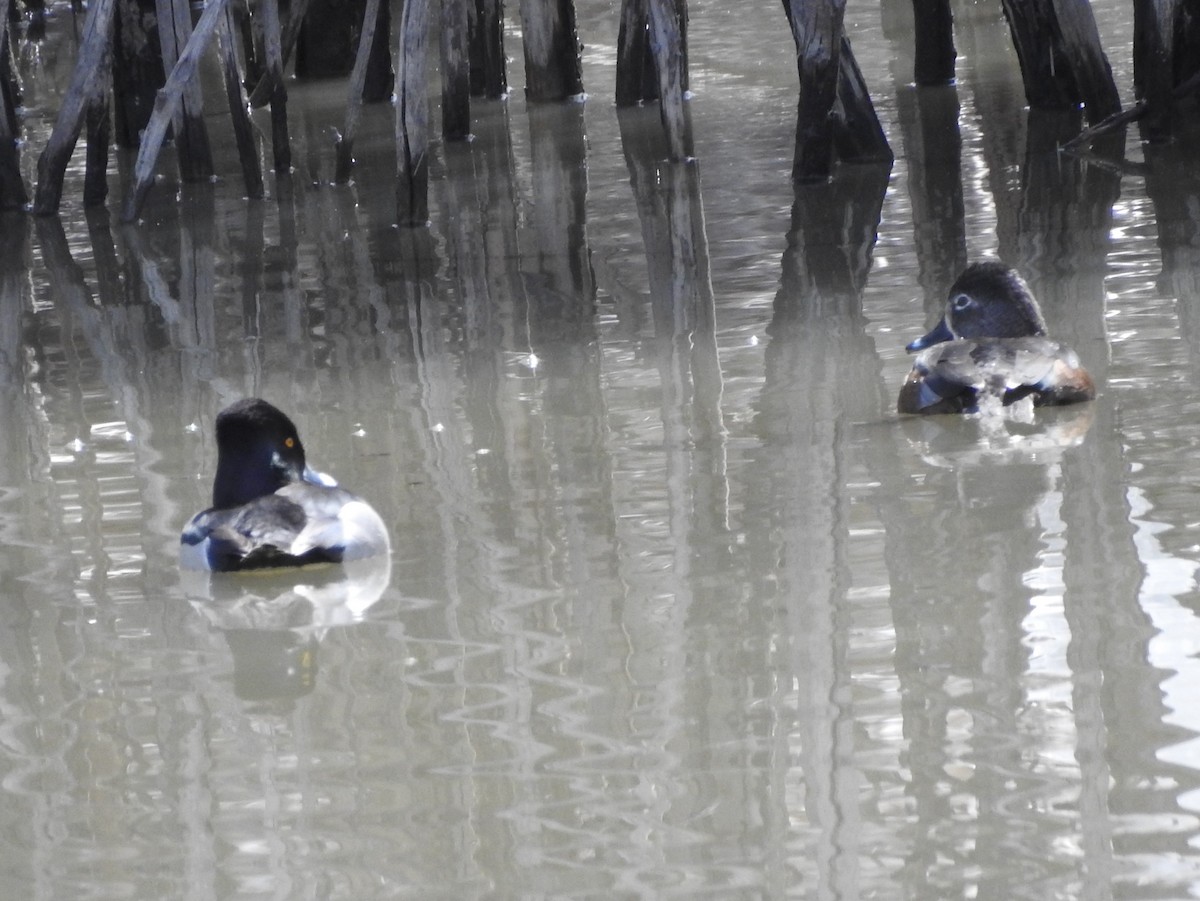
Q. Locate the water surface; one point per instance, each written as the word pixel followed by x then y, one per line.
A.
pixel 678 607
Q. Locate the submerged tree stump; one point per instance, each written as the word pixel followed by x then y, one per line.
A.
pixel 93 52
pixel 1062 62
pixel 935 54
pixel 486 35
pixel 553 70
pixel 835 109
pixel 412 117
pixel 191 134
pixel 456 72
pixel 137 69
pixel 12 188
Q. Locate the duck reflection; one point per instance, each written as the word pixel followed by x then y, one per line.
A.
pixel 274 622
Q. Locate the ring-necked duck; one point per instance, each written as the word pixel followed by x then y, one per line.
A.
pixel 991 342
pixel 269 508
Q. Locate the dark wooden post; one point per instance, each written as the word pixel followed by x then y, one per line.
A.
pixel 93 50
pixel 835 110
pixel 191 135
pixel 1154 62
pixel 243 130
pixel 281 146
pixel 165 105
pixel 934 26
pixel 412 117
pixel 137 69
pixel 99 133
pixel 667 41
pixel 1062 63
pixel 552 66
pixel 12 188
pixel 636 79
pixel 456 72
pixel 486 34
pixel 817 30
pixel 358 76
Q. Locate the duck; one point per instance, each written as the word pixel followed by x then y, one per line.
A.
pixel 991 347
pixel 270 509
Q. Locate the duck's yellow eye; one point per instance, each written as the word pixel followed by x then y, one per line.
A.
pixel 289 443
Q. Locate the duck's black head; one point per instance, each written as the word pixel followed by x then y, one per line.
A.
pixel 258 452
pixel 988 300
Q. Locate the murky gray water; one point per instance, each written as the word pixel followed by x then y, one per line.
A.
pixel 678 606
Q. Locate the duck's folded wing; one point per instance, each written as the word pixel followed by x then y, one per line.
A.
pixel 254 536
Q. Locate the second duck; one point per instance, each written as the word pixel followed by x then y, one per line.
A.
pixel 991 344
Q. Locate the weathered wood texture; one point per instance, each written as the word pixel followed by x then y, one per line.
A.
pixel 12 188
pixel 834 112
pixel 489 77
pixel 137 69
pixel 191 135
pixel 412 117
pixel 934 29
pixel 93 51
pixel 456 72
pixel 165 105
pixel 637 81
pixel 259 51
pixel 1062 62
pixel 667 41
pixel 354 101
pixel 1154 58
pixel 817 30
pixel 235 95
pixel 281 146
pixel 553 70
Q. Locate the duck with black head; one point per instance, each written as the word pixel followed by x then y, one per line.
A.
pixel 990 347
pixel 269 507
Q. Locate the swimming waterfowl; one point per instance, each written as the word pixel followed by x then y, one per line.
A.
pixel 991 343
pixel 269 508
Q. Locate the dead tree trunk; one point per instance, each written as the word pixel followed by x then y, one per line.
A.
pixel 456 72
pixel 12 188
pixel 835 112
pixel 1154 24
pixel 243 130
pixel 934 26
pixel 191 135
pixel 281 146
pixel 358 76
pixel 412 117
pixel 667 40
pixel 552 66
pixel 137 69
pixel 486 37
pixel 636 78
pixel 93 50
pixel 1062 63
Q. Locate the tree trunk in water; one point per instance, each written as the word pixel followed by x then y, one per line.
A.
pixel 93 50
pixel 191 135
pixel 935 53
pixel 137 69
pixel 552 64
pixel 817 30
pixel 488 76
pixel 412 117
pixel 456 72
pixel 667 39
pixel 637 81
